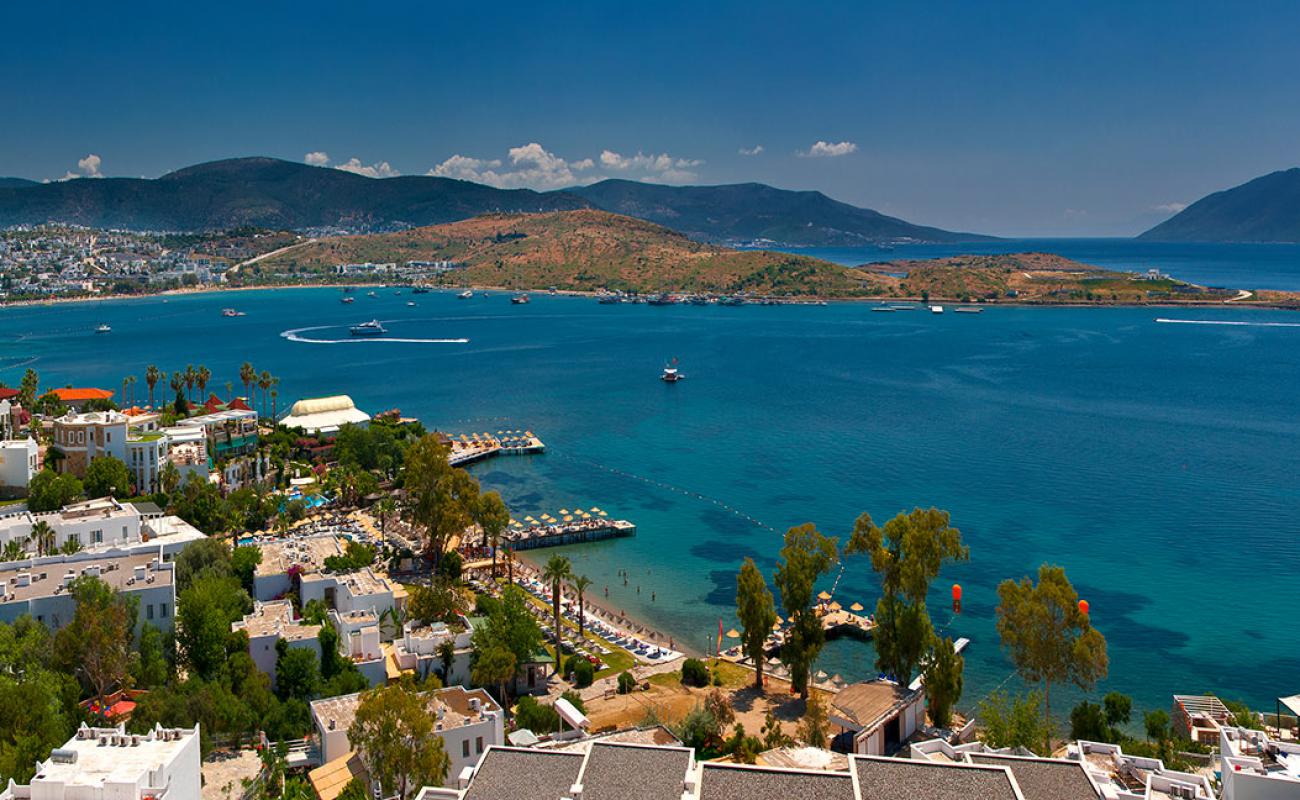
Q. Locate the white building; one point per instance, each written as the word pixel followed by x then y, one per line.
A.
pixel 110 764
pixel 282 558
pixel 469 722
pixel 136 441
pixel 101 525
pixel 18 459
pixel 325 415
pixel 1120 776
pixel 268 625
pixel 39 586
pixel 418 651
pixel 880 714
pixel 1255 767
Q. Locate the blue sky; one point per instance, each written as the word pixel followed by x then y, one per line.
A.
pixel 1033 118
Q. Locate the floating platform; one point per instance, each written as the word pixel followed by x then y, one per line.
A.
pixel 569 533
pixel 469 448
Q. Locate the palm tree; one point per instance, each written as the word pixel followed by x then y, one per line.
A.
pixel 151 377
pixel 447 655
pixel 191 375
pixel 385 508
pixel 133 381
pixel 580 585
pixel 230 391
pixel 13 551
pixel 177 382
pixel 204 375
pixel 44 536
pixel 557 570
pixel 275 398
pixel 246 376
pixel 264 383
pixel 510 563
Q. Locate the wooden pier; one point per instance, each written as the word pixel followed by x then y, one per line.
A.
pixel 575 533
pixel 468 448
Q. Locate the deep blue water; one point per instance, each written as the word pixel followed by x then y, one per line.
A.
pixel 1158 463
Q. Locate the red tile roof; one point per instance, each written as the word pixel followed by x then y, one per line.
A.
pixel 74 395
pixel 8 394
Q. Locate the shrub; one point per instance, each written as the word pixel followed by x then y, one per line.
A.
pixel 536 717
pixel 626 683
pixel 583 672
pixel 694 673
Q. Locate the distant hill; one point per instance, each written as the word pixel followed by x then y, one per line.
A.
pixel 1266 209
pixel 16 183
pixel 265 192
pixel 583 250
pixel 745 212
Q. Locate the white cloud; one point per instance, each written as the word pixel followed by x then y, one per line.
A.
pixel 316 158
pixel 87 167
pixel 535 167
pixel 1170 208
pixel 751 151
pixel 661 168
pixel 377 170
pixel 822 149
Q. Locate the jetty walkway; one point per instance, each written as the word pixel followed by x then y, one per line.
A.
pixel 471 447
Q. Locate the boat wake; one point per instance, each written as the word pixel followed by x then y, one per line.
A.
pixel 296 335
pixel 1232 323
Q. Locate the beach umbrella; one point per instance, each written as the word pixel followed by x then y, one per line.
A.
pixel 602 513
pixel 778 619
pixel 564 511
pixel 823 595
pixel 834 606
pixel 836 680
pixel 568 518
pixel 855 607
pixel 733 634
pixel 821 675
pixel 776 626
pixel 595 510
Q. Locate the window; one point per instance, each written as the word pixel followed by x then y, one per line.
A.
pixel 148 611
pixel 464 748
pixel 162 609
pixel 75 538
pixel 98 536
pixel 478 745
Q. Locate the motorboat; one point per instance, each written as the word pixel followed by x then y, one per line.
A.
pixel 103 328
pixel 519 299
pixel 968 310
pixel 936 309
pixel 347 300
pixel 230 312
pixel 371 328
pixel 410 303
pixel 671 373
pixel 467 294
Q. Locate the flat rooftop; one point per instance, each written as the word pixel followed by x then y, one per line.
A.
pixel 276 617
pixel 101 757
pixel 507 773
pixel 118 571
pixel 1043 778
pixel 308 552
pixel 904 779
pixel 633 772
pixel 454 703
pixel 737 782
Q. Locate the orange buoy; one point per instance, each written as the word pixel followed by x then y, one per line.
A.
pixel 1083 607
pixel 956 598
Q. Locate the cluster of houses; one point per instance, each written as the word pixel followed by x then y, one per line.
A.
pixel 217 434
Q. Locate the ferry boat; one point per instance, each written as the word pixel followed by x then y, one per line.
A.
pixel 671 373
pixel 230 312
pixel 519 299
pixel 102 328
pixel 936 309
pixel 347 300
pixel 968 310
pixel 371 328
pixel 890 309
pixel 467 294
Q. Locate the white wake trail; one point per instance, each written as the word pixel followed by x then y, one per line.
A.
pixel 295 335
pixel 1233 323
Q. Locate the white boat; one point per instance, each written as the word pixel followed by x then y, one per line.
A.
pixel 519 299
pixel 410 302
pixel 936 309
pixel 230 312
pixel 467 294
pixel 671 373
pixel 890 309
pixel 968 310
pixel 371 293
pixel 371 328
pixel 103 328
pixel 348 300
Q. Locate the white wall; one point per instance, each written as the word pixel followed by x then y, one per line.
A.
pixel 17 462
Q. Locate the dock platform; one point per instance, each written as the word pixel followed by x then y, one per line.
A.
pixel 471 447
pixel 568 533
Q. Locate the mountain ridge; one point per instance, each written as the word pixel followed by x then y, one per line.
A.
pixel 1264 209
pixel 273 193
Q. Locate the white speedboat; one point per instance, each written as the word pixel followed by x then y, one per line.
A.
pixel 371 328
pixel 671 373
pixel 467 294
pixel 230 312
pixel 936 309
pixel 968 310
pixel 103 328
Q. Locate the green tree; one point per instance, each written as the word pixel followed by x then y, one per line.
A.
pixel 243 565
pixel 43 535
pixel 1157 725
pixel 509 624
pixel 580 585
pixel 29 388
pixel 558 569
pixel 297 673
pixel 495 667
pixel 151 377
pixel 907 554
pixel 447 657
pixel 1119 708
pixel 50 491
pixel 1013 721
pixel 806 556
pixel 1046 635
pixel 812 727
pixel 97 643
pixel 757 612
pixel 493 517
pixel 394 733
pixel 204 612
pixel 151 668
pixel 202 557
pixel 108 476
pixel 437 602
pixel 439 497
pixel 1088 722
pixel 943 681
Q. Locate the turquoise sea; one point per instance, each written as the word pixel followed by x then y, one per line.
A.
pixel 1158 463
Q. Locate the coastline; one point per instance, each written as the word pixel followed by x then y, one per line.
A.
pixel 787 300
